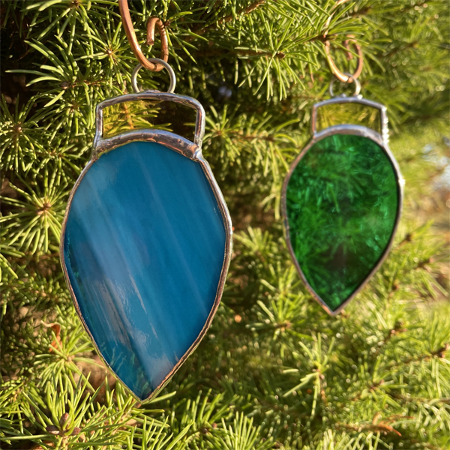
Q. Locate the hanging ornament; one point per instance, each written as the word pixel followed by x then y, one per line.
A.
pixel 146 239
pixel 342 197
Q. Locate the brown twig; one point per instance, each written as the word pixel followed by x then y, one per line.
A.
pixel 440 353
pixel 377 426
pixel 220 52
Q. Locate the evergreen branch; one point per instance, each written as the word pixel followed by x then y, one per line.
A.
pixel 202 30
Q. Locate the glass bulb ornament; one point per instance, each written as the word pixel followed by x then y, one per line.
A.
pixel 342 201
pixel 146 241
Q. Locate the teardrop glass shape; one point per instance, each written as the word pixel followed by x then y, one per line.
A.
pixel 342 206
pixel 145 248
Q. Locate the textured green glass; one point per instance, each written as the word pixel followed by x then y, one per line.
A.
pixel 342 203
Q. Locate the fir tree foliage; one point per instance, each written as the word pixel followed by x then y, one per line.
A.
pixel 274 371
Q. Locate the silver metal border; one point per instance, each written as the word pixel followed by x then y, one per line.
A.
pixel 342 129
pixel 191 150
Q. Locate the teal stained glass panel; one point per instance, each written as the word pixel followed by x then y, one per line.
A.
pixel 144 250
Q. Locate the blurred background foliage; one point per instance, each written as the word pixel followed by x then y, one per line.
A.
pixel 274 371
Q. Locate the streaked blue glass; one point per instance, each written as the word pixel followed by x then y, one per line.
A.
pixel 144 248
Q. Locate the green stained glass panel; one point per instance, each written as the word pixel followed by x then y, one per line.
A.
pixel 342 203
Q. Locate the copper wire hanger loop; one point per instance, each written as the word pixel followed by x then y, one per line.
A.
pixel 132 39
pixel 342 76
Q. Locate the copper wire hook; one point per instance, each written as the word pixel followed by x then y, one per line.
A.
pixel 131 35
pixel 342 76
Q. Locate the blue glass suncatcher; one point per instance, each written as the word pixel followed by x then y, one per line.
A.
pixel 145 248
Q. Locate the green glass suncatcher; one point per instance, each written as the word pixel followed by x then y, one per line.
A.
pixel 341 201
